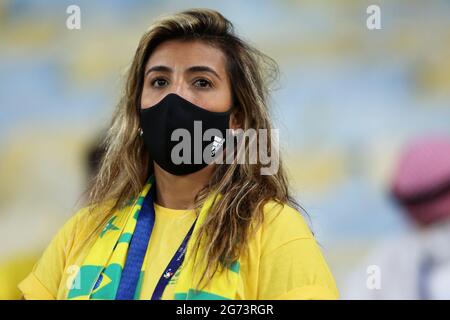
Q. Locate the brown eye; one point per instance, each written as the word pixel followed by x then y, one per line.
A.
pixel 202 83
pixel 159 82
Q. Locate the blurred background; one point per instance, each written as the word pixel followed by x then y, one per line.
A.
pixel 349 99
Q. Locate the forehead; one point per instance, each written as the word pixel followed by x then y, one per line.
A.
pixel 181 54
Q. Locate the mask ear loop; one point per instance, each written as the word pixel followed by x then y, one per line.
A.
pixel 138 111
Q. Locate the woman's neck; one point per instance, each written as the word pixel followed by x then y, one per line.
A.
pixel 178 192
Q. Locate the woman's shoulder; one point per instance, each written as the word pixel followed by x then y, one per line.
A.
pixel 284 217
pixel 88 218
pixel 282 223
pixel 67 246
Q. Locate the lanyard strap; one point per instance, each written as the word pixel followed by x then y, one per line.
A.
pixel 137 250
pixel 173 266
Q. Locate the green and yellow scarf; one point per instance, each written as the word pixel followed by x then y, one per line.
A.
pixel 100 272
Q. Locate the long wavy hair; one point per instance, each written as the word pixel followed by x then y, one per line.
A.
pixel 126 164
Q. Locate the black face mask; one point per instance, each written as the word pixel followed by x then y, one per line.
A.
pixel 173 112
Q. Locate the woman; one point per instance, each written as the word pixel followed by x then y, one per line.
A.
pixel 161 227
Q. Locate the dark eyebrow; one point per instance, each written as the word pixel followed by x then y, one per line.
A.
pixel 192 69
pixel 158 68
pixel 203 69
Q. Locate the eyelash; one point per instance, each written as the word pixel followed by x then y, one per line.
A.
pixel 209 83
pixel 153 82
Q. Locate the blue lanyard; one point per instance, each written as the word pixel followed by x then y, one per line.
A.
pixel 172 267
pixel 136 254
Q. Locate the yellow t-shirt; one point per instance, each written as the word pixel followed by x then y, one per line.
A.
pixel 283 262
